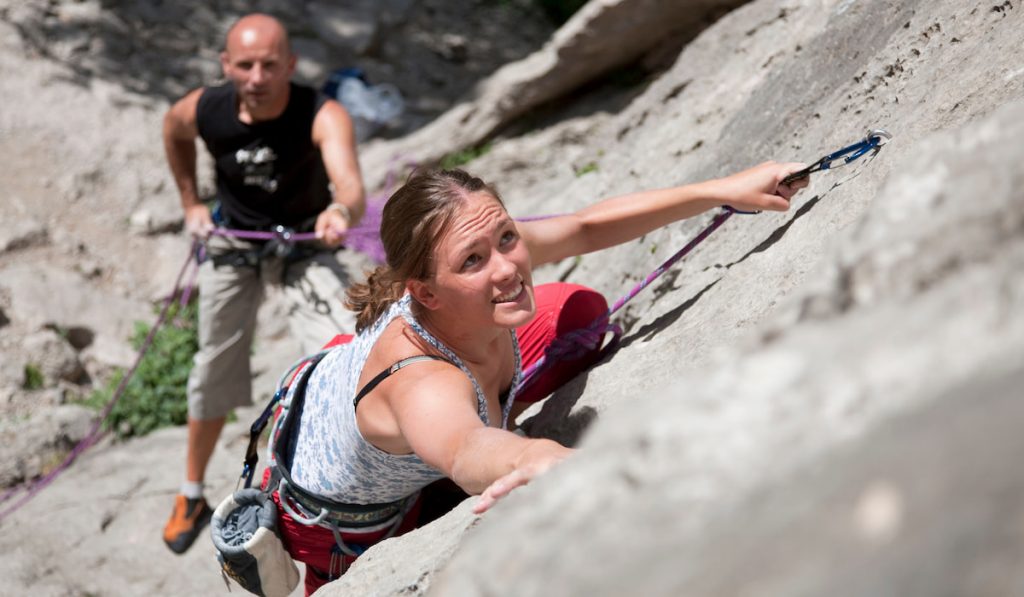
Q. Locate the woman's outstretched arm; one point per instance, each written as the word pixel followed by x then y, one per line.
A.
pixel 436 414
pixel 621 219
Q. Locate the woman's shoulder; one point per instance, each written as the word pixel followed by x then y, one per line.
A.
pixel 399 342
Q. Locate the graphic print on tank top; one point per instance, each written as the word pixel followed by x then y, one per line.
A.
pixel 256 162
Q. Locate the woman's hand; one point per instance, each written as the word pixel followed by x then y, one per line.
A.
pixel 540 456
pixel 758 188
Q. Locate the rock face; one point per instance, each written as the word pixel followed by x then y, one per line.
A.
pixel 895 323
pixel 603 35
pixel 163 50
pixel 808 396
pixel 784 341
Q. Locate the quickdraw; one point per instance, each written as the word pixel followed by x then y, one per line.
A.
pixel 873 142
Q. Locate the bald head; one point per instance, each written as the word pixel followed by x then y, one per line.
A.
pixel 258 60
pixel 257 28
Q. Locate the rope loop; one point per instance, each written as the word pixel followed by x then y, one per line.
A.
pixel 577 343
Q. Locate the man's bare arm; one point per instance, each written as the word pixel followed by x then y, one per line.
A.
pixel 180 132
pixel 333 133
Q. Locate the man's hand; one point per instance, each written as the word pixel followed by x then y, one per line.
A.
pixel 333 134
pixel 331 227
pixel 198 221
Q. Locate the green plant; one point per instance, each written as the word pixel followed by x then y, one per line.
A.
pixel 463 157
pixel 33 377
pixel 155 395
pixel 585 169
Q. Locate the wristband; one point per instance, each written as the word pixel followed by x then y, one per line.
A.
pixel 342 209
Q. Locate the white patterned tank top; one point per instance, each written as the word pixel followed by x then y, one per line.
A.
pixel 331 458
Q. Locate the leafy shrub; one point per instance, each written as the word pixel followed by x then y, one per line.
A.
pixel 155 395
pixel 33 379
pixel 461 158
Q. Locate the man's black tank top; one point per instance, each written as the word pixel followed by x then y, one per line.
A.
pixel 269 172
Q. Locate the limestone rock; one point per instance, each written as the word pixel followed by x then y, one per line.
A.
pixel 145 221
pixel 353 25
pixel 579 52
pixel 104 355
pixel 710 444
pixel 30 450
pixel 807 395
pixel 20 234
pixel 52 357
pixel 42 295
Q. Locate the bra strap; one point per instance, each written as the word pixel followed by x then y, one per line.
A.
pixel 393 369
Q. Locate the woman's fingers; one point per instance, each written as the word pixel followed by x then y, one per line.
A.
pixel 789 189
pixel 499 489
pixel 778 195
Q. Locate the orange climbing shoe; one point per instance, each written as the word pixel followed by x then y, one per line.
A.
pixel 187 520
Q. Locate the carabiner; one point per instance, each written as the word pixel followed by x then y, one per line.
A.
pixel 871 142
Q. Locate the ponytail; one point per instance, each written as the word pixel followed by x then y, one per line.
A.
pixel 371 299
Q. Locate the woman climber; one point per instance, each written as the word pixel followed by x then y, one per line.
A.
pixel 427 387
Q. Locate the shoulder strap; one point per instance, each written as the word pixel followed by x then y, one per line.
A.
pixel 393 369
pixel 283 462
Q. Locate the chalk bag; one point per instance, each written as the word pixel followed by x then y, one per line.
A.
pixel 244 528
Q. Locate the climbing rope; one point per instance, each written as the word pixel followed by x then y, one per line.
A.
pixel 364 237
pixel 575 344
pixel 96 433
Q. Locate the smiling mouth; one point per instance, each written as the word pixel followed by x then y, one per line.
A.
pixel 510 296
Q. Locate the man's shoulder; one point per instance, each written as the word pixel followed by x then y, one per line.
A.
pixel 306 96
pixel 303 87
pixel 212 94
pixel 214 110
pixel 304 103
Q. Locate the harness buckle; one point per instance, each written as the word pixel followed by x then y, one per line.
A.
pixel 283 241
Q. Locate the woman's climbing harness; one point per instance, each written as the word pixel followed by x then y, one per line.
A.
pixel 564 347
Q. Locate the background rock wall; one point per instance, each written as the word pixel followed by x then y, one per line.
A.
pixel 807 396
pixel 776 348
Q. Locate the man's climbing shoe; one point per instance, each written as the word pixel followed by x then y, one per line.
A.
pixel 188 519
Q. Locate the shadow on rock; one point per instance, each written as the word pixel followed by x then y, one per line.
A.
pixel 557 419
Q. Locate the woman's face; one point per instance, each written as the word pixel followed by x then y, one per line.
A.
pixel 482 266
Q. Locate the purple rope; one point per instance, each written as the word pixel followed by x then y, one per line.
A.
pixel 186 294
pixel 262 235
pixel 574 344
pixel 95 434
pixel 365 237
pixel 714 225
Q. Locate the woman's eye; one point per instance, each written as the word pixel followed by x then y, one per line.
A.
pixel 508 237
pixel 470 261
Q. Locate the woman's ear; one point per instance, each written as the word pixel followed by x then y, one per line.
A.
pixel 422 293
